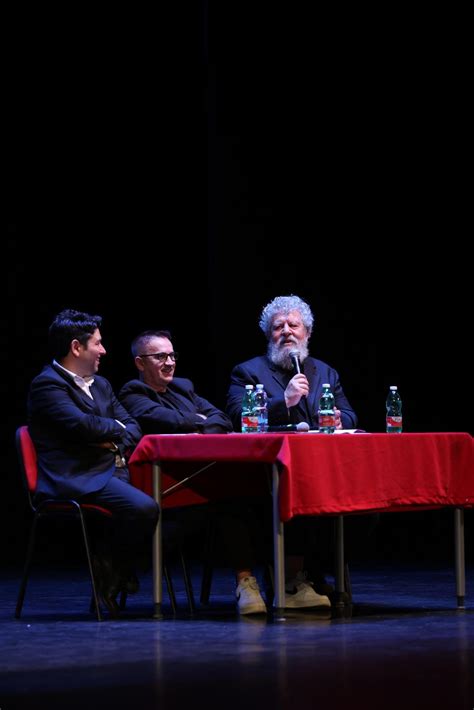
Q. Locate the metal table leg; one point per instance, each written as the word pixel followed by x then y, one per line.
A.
pixel 459 557
pixel 157 554
pixel 278 545
pixel 339 576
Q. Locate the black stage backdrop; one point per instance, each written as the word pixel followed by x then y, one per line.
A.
pixel 180 170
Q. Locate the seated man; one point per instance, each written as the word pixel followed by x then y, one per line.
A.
pixel 164 404
pixel 83 436
pixel 293 397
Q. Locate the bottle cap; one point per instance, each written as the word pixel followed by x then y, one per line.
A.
pixel 259 387
pixel 327 384
pixel 393 387
pixel 249 387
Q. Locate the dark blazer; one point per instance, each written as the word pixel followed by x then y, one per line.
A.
pixel 274 380
pixel 66 424
pixel 157 415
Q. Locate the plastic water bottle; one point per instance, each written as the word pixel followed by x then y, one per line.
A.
pixel 394 411
pixel 326 416
pixel 261 409
pixel 248 419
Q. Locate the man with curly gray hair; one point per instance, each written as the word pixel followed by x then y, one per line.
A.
pixel 293 397
pixel 293 382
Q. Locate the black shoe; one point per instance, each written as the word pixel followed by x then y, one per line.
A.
pixel 323 587
pixel 109 601
pixel 343 597
pixel 128 578
pixel 108 584
pixel 131 584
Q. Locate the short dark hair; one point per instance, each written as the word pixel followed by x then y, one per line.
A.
pixel 71 325
pixel 141 340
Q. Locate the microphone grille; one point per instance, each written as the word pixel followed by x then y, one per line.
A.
pixel 295 359
pixel 302 426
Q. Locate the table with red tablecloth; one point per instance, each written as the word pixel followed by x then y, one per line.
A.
pixel 311 474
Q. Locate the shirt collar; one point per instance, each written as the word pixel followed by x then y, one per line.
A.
pixel 80 381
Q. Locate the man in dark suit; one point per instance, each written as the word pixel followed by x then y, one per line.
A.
pixel 83 436
pixel 164 404
pixel 293 397
pixel 161 402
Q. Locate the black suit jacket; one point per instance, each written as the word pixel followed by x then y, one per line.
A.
pixel 66 424
pixel 274 380
pixel 158 415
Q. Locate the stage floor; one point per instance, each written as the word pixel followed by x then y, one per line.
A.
pixel 402 645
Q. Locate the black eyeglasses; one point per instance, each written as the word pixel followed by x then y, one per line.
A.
pixel 161 357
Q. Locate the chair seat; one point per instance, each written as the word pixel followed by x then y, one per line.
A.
pixel 71 505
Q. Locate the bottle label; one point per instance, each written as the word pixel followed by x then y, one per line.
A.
pixel 394 421
pixel 249 422
pixel 326 420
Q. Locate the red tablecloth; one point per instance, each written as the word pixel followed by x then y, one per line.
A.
pixel 320 474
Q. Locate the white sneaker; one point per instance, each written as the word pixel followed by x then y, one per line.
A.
pixel 300 594
pixel 249 599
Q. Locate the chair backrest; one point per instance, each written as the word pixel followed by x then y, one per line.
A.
pixel 27 458
pixel 29 469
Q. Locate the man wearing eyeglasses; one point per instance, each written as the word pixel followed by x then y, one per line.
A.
pixel 164 404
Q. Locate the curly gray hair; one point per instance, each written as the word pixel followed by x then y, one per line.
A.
pixel 285 304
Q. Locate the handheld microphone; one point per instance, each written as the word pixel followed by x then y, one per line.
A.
pixel 295 359
pixel 301 426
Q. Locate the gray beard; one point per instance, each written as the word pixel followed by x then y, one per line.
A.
pixel 281 356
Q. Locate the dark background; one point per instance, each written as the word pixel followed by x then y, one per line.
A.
pixel 183 168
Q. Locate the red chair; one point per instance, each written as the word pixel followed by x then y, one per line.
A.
pixel 53 508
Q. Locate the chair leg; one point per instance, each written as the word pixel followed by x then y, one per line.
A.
pixel 123 600
pixel 188 585
pixel 95 597
pixel 26 570
pixel 347 582
pixel 269 584
pixel 169 585
pixel 208 566
pixel 206 583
